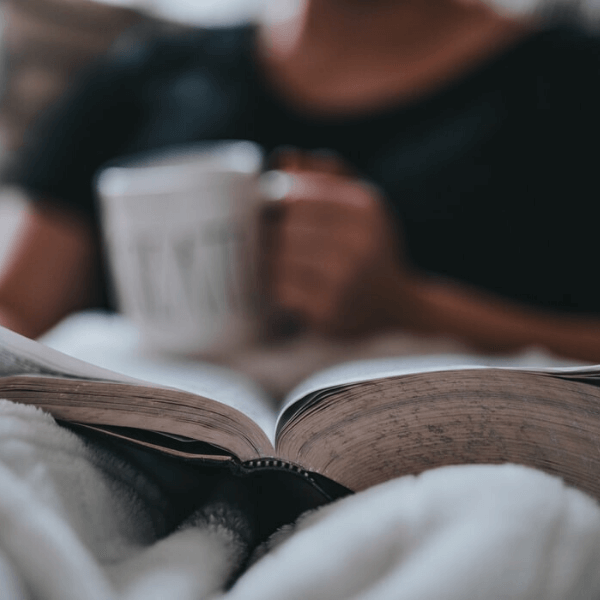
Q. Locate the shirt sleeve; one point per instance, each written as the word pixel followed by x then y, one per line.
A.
pixel 92 123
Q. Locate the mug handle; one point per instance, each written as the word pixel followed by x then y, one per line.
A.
pixel 274 185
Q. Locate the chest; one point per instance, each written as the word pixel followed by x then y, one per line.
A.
pixel 433 159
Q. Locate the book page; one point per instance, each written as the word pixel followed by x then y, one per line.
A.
pixel 366 433
pixel 204 379
pixel 20 355
pixel 379 368
pixel 111 342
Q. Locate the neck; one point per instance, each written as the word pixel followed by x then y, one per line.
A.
pixel 374 27
pixel 333 56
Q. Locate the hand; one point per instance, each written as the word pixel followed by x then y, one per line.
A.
pixel 333 254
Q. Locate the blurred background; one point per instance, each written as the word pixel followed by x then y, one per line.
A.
pixel 44 44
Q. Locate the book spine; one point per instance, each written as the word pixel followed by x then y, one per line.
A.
pixel 326 488
pixel 275 463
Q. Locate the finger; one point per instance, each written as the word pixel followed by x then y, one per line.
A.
pixel 329 274
pixel 286 158
pixel 322 232
pixel 329 189
pixel 301 274
pixel 294 290
pixel 311 308
pixel 274 186
pixel 303 229
pixel 324 160
pixel 287 187
pixel 319 245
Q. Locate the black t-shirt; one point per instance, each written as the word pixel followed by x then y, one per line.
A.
pixel 493 177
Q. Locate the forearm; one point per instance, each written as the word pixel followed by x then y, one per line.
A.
pixel 53 269
pixel 492 324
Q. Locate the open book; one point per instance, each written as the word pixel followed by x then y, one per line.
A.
pixel 357 424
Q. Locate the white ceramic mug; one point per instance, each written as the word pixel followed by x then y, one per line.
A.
pixel 181 232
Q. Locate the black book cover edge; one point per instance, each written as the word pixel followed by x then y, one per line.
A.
pixel 270 493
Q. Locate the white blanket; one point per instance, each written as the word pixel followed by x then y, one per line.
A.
pixel 75 524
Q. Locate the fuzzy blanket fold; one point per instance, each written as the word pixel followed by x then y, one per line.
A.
pixel 77 524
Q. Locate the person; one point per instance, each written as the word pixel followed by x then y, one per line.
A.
pixel 441 158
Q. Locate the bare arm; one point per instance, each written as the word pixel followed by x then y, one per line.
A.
pixel 52 270
pixel 494 324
